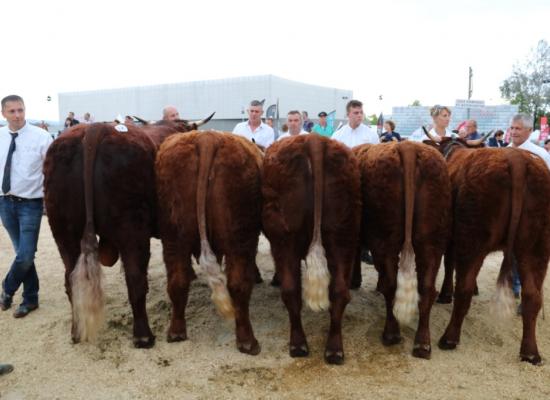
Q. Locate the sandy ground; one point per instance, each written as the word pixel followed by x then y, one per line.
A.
pixel 208 365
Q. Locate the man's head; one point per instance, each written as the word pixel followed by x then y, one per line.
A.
pixel 294 122
pixel 87 116
pixel 322 118
pixel 305 115
pixel 170 113
pixel 70 115
pixel 471 126
pixel 13 109
pixel 521 127
pixel 354 111
pixel 255 112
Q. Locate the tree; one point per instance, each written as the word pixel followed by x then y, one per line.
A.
pixel 529 85
pixel 415 103
pixel 371 119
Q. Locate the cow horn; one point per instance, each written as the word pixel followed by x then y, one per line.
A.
pixel 144 122
pixel 432 138
pixel 478 142
pixel 203 121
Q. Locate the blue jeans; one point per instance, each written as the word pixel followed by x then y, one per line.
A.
pixel 516 284
pixel 22 221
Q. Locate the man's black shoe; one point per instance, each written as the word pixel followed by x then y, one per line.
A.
pixel 24 309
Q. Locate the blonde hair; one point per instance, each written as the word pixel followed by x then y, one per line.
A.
pixel 437 109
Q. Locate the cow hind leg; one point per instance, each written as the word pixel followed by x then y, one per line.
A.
pixel 70 251
pixel 178 267
pixel 339 298
pixel 427 266
pixel 240 272
pixel 135 259
pixel 387 285
pixel 532 271
pixel 288 270
pixel 465 284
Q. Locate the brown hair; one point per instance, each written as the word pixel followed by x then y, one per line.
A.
pixel 11 97
pixel 353 104
pixel 391 124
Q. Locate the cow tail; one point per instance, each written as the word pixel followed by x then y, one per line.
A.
pixel 207 260
pixel 317 277
pixel 504 297
pixel 86 279
pixel 406 295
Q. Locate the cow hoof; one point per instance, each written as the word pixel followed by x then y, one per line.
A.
pixel 445 344
pixel 422 351
pixel 445 298
pixel 533 359
pixel 176 337
pixel 299 351
pixel 75 339
pixel 144 342
pixel 390 340
pixel 252 348
pixel 334 357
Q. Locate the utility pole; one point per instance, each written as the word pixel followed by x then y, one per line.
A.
pixel 470 89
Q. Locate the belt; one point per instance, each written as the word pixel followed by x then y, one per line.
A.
pixel 11 197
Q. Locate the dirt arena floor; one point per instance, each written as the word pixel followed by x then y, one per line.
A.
pixel 208 366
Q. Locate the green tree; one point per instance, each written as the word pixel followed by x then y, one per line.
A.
pixel 415 103
pixel 529 84
pixel 371 119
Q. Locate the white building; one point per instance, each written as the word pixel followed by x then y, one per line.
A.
pixel 196 100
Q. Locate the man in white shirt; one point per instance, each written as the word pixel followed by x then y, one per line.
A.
pixel 170 113
pixel 520 130
pixel 254 129
pixel 295 125
pixel 22 151
pixel 355 132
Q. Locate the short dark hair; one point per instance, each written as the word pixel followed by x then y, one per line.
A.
pixel 391 124
pixel 256 103
pixel 499 132
pixel 11 97
pixel 294 112
pixel 353 104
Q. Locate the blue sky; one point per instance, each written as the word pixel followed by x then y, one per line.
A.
pixel 399 49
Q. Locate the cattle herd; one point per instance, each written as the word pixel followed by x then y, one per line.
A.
pixel 208 195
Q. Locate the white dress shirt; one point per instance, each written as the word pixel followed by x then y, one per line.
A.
pixel 262 135
pixel 354 137
pixel 533 148
pixel 31 145
pixel 287 134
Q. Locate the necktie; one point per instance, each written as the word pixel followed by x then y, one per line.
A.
pixel 6 182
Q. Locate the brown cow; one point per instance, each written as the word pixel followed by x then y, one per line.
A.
pixel 311 191
pixel 406 209
pixel 500 202
pixel 210 200
pixel 99 180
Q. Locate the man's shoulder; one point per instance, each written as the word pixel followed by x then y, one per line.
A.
pixel 240 126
